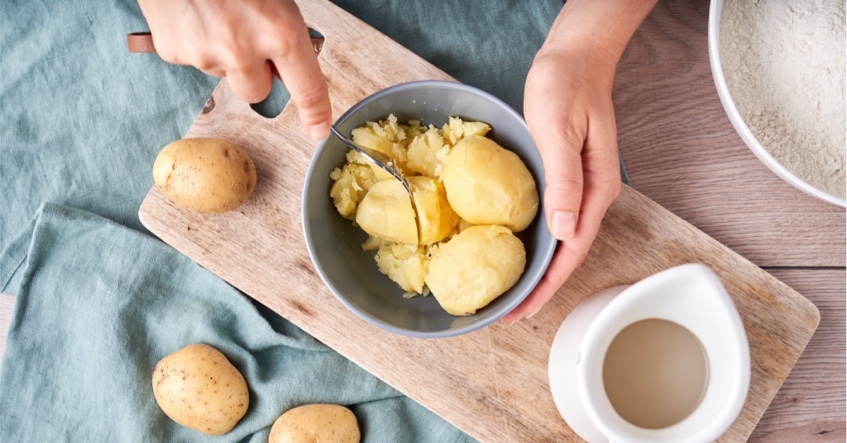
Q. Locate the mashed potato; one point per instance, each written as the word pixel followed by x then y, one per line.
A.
pixel 407 265
pixel 465 259
pixel 350 184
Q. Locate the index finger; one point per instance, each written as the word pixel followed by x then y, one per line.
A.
pixel 301 73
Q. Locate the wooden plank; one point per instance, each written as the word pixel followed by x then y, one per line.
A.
pixel 491 383
pixel 477 384
pixel 811 404
pixel 673 129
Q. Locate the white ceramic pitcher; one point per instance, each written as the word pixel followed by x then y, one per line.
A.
pixel 690 295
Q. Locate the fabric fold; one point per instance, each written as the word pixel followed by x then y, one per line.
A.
pixel 98 304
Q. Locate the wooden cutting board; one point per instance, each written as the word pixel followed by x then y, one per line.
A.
pixel 491 383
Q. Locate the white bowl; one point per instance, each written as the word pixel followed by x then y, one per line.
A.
pixel 690 295
pixel 738 122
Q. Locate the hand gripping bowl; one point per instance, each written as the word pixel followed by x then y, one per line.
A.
pixel 334 244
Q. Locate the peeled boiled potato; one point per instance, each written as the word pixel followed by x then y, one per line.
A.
pixel 386 213
pixel 200 389
pixel 448 168
pixel 489 185
pixel 475 267
pixel 205 174
pixel 316 423
pixel 437 220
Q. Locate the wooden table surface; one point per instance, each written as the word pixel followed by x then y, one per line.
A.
pixel 681 151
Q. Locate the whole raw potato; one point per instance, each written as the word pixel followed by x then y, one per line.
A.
pixel 200 389
pixel 316 423
pixel 489 185
pixel 475 267
pixel 205 174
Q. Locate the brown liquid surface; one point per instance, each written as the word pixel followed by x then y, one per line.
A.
pixel 655 373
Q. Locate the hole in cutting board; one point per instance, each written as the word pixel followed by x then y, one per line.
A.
pixel 317 40
pixel 273 104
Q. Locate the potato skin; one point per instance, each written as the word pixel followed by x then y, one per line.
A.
pixel 200 389
pixel 314 423
pixel 205 174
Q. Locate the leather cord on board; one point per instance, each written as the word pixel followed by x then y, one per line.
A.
pixel 140 42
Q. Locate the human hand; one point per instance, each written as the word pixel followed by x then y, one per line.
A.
pixel 568 107
pixel 246 42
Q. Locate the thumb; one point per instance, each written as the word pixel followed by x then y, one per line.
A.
pixel 560 144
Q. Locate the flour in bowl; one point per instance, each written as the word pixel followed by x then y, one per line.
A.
pixel 785 68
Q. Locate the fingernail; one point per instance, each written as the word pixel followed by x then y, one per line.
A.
pixel 319 131
pixel 564 224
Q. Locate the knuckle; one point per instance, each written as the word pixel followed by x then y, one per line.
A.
pixel 204 62
pixel 565 186
pixel 312 97
pixel 282 45
pixel 233 56
pixel 169 54
pixel 573 134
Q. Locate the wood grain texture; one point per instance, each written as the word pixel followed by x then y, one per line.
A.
pixel 811 404
pixel 491 383
pixel 673 129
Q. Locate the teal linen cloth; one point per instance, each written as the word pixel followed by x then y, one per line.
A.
pixel 98 299
pixel 99 304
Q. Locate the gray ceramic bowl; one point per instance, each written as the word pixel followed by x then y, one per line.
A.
pixel 334 244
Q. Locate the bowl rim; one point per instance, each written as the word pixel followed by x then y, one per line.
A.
pixel 737 121
pixel 545 253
